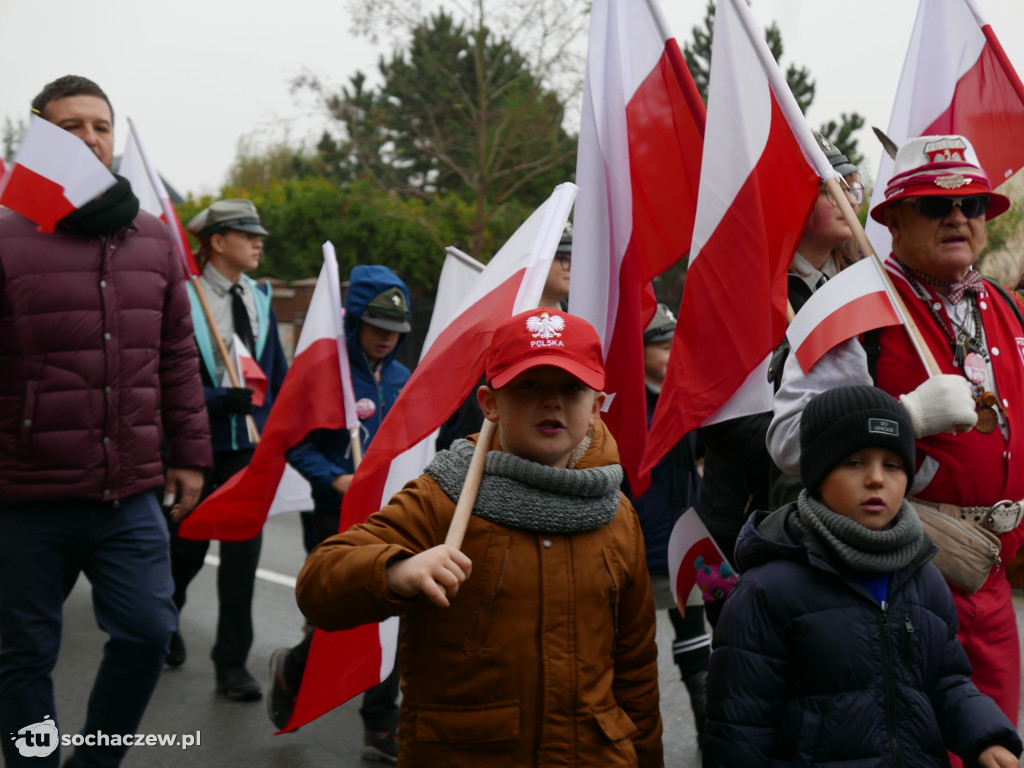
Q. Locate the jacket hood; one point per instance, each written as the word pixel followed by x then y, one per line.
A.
pixel 366 282
pixel 768 536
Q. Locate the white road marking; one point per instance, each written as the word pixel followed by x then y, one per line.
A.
pixel 261 573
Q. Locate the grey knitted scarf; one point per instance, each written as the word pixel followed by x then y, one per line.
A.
pixel 858 547
pixel 523 494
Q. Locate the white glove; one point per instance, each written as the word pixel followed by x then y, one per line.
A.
pixel 942 404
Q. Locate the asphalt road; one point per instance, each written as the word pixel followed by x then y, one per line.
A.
pixel 239 734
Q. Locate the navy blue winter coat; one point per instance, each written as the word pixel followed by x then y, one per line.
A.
pixel 675 486
pixel 325 453
pixel 807 669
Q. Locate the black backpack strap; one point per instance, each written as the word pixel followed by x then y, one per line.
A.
pixel 777 363
pixel 872 348
pixel 798 291
pixel 999 288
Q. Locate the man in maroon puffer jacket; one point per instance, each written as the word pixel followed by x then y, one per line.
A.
pixel 98 368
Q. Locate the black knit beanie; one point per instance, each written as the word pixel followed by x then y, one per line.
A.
pixel 841 421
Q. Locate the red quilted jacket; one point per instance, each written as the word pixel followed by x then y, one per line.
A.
pixel 97 364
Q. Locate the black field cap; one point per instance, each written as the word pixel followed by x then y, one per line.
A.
pixel 844 420
pixel 237 214
pixel 388 310
pixel 839 161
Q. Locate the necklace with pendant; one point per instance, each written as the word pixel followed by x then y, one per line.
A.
pixel 970 356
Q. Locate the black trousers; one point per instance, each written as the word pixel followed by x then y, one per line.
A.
pixel 236 576
pixel 379 709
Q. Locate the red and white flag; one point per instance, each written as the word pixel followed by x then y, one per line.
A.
pixel 694 560
pixel 760 175
pixel 956 79
pixel 52 174
pixel 249 372
pixel 459 274
pixel 638 167
pixel 344 664
pixel 856 300
pixel 153 198
pixel 310 398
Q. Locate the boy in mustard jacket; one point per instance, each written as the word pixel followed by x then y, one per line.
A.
pixel 534 644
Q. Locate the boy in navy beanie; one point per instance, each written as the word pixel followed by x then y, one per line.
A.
pixel 839 641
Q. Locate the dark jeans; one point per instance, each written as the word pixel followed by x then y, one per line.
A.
pixel 236 576
pixel 379 709
pixel 121 547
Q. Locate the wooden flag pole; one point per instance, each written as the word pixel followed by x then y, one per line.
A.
pixel 357 446
pixel 923 352
pixel 464 507
pixel 254 434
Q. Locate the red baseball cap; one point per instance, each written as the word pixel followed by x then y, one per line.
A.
pixel 545 337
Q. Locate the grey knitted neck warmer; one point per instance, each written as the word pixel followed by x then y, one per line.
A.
pixel 523 494
pixel 858 547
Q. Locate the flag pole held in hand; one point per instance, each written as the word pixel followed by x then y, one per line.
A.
pixel 923 352
pixel 222 350
pixel 464 507
pixel 348 396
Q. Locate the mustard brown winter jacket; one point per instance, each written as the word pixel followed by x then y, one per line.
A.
pixel 546 656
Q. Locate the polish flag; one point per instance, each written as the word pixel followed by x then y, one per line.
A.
pixel 52 174
pixel 638 166
pixel 856 300
pixel 956 79
pixel 346 663
pixel 694 560
pixel 309 399
pixel 249 371
pixel 153 198
pixel 760 175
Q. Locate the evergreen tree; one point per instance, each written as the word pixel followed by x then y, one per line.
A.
pixel 841 134
pixel 459 121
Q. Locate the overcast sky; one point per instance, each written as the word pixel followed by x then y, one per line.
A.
pixel 197 75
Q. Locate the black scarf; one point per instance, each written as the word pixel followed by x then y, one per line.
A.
pixel 107 214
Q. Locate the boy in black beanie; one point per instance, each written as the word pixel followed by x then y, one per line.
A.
pixel 839 643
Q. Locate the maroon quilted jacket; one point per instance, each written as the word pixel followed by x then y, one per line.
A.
pixel 97 364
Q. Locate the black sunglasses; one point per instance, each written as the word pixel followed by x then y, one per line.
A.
pixel 939 207
pixel 564 259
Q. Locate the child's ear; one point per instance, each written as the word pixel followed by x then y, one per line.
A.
pixel 488 403
pixel 599 398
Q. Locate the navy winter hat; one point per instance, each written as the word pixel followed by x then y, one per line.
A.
pixel 841 421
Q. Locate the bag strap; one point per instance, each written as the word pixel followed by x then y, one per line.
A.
pixel 872 348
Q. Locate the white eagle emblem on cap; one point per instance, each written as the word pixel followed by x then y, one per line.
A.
pixel 951 149
pixel 545 326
